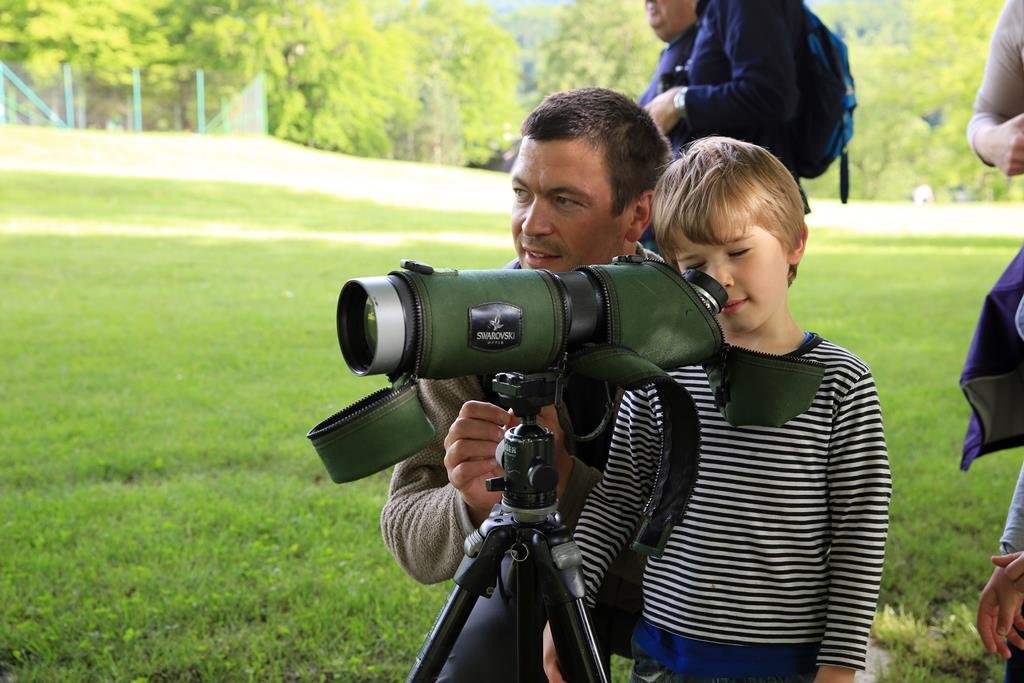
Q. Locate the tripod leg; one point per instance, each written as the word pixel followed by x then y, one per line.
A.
pixel 529 618
pixel 476 577
pixel 442 637
pixel 573 634
pixel 563 589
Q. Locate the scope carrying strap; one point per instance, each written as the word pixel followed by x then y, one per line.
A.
pixel 680 445
pixel 750 388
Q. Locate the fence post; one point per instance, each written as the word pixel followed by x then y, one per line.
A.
pixel 3 96
pixel 200 102
pixel 137 99
pixel 69 98
pixel 263 103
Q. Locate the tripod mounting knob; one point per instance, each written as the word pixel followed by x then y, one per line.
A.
pixel 543 477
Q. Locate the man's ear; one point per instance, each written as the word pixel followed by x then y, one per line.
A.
pixel 797 253
pixel 639 214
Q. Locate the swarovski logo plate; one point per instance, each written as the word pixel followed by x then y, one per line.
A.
pixel 495 326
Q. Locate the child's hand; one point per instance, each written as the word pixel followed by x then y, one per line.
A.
pixel 999 605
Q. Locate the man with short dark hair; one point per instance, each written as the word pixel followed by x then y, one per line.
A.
pixel 582 186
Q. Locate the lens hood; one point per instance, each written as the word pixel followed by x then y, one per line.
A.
pixel 761 390
pixel 372 434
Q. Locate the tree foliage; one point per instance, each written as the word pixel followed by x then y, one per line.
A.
pixel 917 67
pixel 467 73
pixel 448 81
pixel 371 77
pixel 605 43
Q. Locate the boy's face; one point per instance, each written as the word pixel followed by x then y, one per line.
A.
pixel 754 269
pixel 562 207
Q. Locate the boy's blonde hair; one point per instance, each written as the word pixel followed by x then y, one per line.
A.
pixel 717 189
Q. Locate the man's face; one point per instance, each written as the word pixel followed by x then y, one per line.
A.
pixel 562 209
pixel 669 18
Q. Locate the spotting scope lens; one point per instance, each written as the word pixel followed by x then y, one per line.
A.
pixel 372 325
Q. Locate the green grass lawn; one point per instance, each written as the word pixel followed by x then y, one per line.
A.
pixel 162 516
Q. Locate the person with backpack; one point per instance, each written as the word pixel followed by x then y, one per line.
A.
pixel 742 75
pixel 768 72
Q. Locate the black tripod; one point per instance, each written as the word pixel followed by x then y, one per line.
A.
pixel 526 527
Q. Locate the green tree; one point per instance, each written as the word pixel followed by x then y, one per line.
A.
pixel 467 71
pixel 345 81
pixel 335 79
pixel 108 38
pixel 950 43
pixel 605 43
pixel 531 26
pixel 917 67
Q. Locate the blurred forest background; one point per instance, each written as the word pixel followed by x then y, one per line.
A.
pixel 448 81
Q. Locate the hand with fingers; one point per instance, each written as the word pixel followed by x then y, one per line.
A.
pixel 1003 145
pixel 999 605
pixel 663 111
pixel 469 454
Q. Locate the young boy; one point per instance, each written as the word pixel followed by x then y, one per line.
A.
pixel 773 572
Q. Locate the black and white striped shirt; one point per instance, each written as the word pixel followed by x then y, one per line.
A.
pixel 784 536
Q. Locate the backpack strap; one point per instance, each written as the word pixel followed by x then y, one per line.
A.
pixel 844 176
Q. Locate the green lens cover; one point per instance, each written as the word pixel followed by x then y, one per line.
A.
pixel 759 389
pixel 477 322
pixel 376 432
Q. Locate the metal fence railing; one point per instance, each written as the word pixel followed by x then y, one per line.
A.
pixel 156 99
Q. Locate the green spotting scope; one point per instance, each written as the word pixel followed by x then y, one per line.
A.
pixel 448 323
pixel 625 322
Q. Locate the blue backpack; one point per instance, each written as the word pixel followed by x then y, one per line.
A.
pixel 824 122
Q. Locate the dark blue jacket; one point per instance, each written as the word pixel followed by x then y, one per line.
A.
pixel 742 74
pixel 670 72
pixel 993 375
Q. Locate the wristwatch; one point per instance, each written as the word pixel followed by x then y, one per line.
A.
pixel 680 102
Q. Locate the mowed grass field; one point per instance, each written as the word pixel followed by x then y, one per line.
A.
pixel 166 345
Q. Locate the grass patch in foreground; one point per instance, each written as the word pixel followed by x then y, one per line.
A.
pixel 163 517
